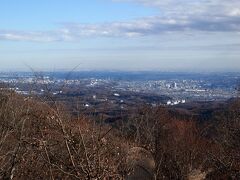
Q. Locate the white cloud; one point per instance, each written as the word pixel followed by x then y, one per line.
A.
pixel 235 12
pixel 174 16
pixel 194 9
pixel 47 36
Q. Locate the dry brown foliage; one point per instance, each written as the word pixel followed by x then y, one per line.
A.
pixel 40 140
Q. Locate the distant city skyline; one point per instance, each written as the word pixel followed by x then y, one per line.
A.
pixel 125 35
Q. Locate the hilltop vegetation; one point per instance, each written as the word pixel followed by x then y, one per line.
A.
pixel 40 139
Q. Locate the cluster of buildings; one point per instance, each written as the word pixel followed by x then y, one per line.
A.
pixel 178 90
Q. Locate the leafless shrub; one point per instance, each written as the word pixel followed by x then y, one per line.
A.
pixel 39 141
pixel 176 145
pixel 226 157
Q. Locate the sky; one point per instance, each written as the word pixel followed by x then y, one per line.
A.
pixel 126 35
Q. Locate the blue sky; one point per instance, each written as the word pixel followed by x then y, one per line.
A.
pixel 159 35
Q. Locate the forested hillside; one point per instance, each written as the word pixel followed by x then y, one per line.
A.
pixel 39 139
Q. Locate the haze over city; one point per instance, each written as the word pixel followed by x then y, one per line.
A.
pixel 155 35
